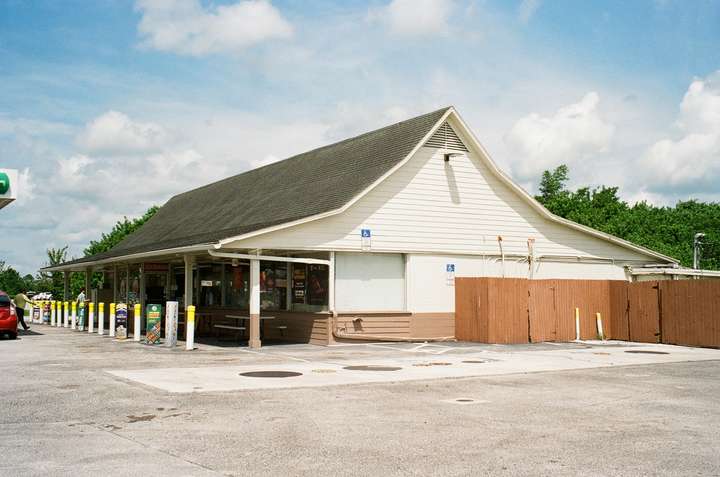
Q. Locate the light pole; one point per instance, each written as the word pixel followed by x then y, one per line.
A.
pixel 696 249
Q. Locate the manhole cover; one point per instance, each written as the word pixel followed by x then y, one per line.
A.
pixel 464 400
pixel 371 367
pixel 474 361
pixel 271 374
pixel 642 351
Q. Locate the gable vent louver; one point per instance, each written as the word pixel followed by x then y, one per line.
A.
pixel 446 138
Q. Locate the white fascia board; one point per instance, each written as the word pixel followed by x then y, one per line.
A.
pixel 268 258
pixel 126 258
pixel 351 202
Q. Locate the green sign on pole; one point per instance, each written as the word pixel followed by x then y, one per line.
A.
pixel 153 315
pixel 4 182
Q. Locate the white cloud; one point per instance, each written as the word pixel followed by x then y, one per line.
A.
pixel 186 27
pixel 72 171
pixel 692 161
pixel 573 133
pixel 114 133
pixel 527 10
pixel 414 17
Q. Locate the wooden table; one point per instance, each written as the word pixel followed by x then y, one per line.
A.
pixel 245 317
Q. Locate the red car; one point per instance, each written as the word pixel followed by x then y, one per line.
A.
pixel 8 319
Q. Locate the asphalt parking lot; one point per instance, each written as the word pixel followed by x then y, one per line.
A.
pixel 87 405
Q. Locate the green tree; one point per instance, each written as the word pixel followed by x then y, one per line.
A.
pixel 11 282
pixel 120 230
pixel 668 230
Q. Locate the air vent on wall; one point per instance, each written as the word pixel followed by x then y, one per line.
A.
pixel 445 137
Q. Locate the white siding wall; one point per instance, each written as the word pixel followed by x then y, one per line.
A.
pixel 429 291
pixel 369 282
pixel 429 205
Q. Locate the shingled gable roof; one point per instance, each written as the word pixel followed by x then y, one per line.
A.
pixel 309 184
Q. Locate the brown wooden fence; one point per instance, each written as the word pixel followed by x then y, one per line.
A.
pixel 515 310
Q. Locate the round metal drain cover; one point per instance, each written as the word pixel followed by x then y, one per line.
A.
pixel 464 400
pixel 371 367
pixel 642 351
pixel 271 374
pixel 474 361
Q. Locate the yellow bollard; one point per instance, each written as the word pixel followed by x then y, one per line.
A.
pixel 601 333
pixel 111 331
pixel 136 323
pixel 101 318
pixel 91 317
pixel 67 314
pixel 190 328
pixel 73 316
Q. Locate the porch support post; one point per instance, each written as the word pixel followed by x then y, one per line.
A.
pixel 331 300
pixel 142 295
pixel 289 287
pixel 254 341
pixel 127 284
pixel 87 282
pixel 66 286
pixel 188 280
pixel 331 284
pixel 116 279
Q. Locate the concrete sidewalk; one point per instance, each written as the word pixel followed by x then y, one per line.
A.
pixel 408 363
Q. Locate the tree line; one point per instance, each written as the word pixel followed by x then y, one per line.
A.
pixel 665 229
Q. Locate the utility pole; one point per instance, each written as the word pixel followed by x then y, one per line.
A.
pixel 697 243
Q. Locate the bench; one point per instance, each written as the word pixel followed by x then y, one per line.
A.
pixel 237 329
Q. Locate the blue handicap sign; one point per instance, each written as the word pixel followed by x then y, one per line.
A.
pixel 365 233
pixel 450 267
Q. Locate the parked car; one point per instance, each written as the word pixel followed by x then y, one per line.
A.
pixel 8 319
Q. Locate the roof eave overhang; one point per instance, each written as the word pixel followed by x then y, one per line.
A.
pixel 133 257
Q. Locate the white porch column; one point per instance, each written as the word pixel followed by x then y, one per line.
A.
pixel 289 287
pixel 66 286
pixel 87 282
pixel 188 281
pixel 116 279
pixel 142 289
pixel 331 284
pixel 254 304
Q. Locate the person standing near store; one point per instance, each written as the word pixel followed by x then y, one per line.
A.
pixel 21 299
pixel 81 308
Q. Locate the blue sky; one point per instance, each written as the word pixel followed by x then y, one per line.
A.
pixel 110 106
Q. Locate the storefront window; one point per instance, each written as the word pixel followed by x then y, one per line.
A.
pixel 273 285
pixel 309 287
pixel 237 286
pixel 210 285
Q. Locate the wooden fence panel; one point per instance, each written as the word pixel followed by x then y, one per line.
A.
pixel 507 302
pixel 619 324
pixel 542 312
pixel 471 309
pixel 690 312
pixel 644 312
